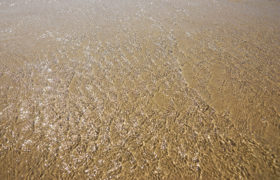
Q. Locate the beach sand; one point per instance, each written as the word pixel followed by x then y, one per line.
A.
pixel 152 89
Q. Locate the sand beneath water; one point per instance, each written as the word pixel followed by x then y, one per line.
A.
pixel 152 89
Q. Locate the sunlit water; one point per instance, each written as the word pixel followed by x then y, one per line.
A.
pixel 162 89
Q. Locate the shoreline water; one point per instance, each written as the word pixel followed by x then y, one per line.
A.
pixel 139 89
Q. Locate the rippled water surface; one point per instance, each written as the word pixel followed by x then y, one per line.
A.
pixel 128 89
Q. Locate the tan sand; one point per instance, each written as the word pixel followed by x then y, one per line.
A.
pixel 152 89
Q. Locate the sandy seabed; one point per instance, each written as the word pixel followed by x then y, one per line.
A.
pixel 151 89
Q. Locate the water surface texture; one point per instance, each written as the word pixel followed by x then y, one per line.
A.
pixel 139 89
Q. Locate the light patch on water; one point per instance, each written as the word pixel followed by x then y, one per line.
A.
pixel 23 113
pixel 66 167
pixel 50 80
pixel 8 30
pixel 188 34
pixel 212 46
pixel 48 88
pixel 26 143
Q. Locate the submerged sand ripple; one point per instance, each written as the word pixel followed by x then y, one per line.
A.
pixel 119 89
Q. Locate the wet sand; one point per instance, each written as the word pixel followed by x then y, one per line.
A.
pixel 126 89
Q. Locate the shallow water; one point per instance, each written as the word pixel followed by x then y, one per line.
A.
pixel 119 89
